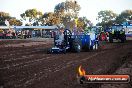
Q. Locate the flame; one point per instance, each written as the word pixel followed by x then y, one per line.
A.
pixel 81 71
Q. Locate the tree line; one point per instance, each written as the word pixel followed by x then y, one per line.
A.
pixel 66 13
pixel 108 17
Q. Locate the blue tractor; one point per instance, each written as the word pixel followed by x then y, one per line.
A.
pixel 75 42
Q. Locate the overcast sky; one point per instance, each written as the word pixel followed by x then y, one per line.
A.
pixel 89 8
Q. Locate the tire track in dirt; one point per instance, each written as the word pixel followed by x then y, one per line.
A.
pixel 49 69
pixel 43 74
pixel 50 60
pixel 69 64
pixel 67 77
pixel 16 53
pixel 26 78
pixel 61 65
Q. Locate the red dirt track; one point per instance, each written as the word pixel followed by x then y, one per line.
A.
pixel 25 64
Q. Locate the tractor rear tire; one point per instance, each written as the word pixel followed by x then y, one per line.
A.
pixel 77 48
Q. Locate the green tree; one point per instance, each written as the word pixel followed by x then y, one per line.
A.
pixel 3 17
pixel 50 18
pixel 15 22
pixel 125 15
pixel 106 17
pixel 31 15
pixel 83 22
pixel 67 11
pixel 12 20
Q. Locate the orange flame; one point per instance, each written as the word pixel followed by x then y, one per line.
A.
pixel 81 71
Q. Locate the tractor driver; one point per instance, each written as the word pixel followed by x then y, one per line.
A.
pixel 61 36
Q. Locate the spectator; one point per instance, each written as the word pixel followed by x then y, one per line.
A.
pixel 13 35
pixel 1 34
pixel 33 33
